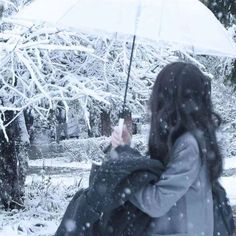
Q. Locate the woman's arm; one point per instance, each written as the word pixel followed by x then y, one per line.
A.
pixel 156 200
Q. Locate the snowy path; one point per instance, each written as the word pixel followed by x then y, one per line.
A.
pixel 72 170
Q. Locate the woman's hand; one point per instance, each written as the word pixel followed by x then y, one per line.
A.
pixel 118 139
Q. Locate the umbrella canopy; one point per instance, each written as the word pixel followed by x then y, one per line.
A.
pixel 183 24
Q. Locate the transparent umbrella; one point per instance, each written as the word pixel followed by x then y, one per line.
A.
pixel 187 24
pixel 183 24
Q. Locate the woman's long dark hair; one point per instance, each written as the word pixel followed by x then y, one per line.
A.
pixel 181 102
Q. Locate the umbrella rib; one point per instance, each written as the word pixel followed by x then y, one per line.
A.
pixel 161 15
pixel 67 12
pixel 188 26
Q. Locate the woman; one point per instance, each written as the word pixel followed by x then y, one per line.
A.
pixel 182 136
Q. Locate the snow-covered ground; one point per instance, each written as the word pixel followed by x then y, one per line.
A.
pixel 229 184
pixel 227 181
pixel 60 162
pixel 230 163
pixel 46 199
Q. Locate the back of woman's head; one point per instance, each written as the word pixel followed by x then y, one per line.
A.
pixel 181 102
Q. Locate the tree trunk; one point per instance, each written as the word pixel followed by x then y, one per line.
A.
pixel 105 123
pixel 13 161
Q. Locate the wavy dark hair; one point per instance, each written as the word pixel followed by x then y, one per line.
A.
pixel 181 102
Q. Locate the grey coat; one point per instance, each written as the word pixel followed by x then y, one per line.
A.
pixel 181 202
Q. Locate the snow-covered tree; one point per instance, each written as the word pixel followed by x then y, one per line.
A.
pixel 224 10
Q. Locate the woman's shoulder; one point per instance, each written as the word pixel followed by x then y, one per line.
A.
pixel 186 140
pixel 187 137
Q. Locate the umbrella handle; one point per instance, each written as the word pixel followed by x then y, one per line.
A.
pixel 120 128
pixel 121 119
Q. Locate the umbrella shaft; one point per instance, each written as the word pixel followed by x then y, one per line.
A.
pixel 128 76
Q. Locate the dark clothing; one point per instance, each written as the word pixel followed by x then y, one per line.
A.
pixel 223 213
pixel 61 114
pixel 61 126
pixel 103 208
pixel 29 122
pixel 29 118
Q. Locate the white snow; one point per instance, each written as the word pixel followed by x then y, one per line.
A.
pixel 25 228
pixel 81 180
pixel 60 162
pixel 230 163
pixel 230 186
